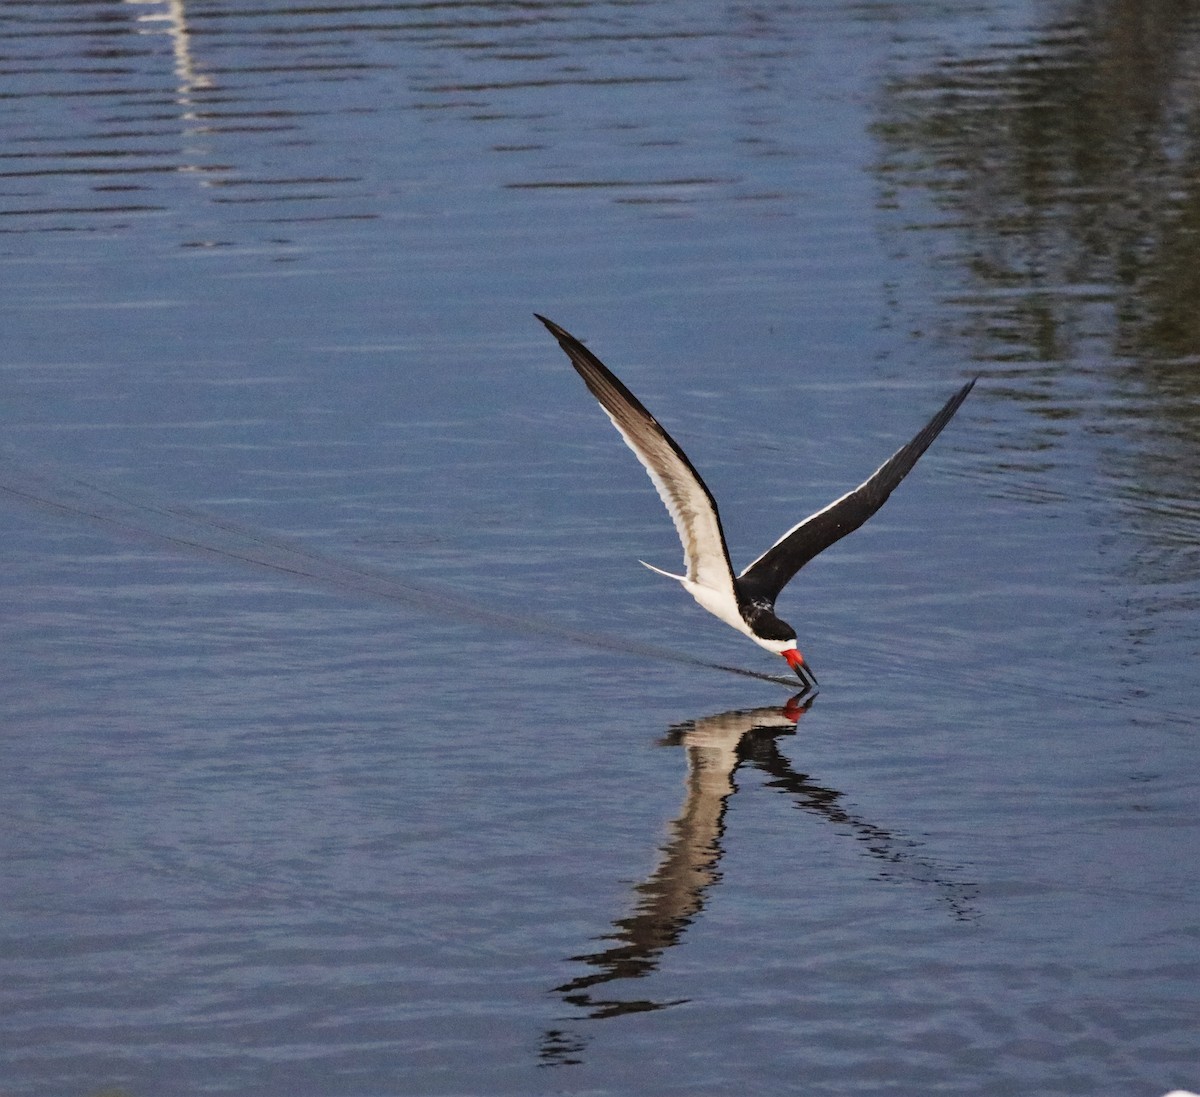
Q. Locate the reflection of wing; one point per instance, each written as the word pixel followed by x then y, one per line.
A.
pixel 674 894
pixel 763 753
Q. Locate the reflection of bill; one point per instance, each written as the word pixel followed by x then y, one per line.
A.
pixel 674 894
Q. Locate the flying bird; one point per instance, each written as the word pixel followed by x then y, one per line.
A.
pixel 745 602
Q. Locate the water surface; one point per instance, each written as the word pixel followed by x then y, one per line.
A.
pixel 377 824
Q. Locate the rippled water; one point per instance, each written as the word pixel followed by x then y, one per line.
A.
pixel 357 812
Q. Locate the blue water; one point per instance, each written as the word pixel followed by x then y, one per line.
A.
pixel 355 813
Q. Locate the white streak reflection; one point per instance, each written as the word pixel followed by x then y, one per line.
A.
pixel 171 18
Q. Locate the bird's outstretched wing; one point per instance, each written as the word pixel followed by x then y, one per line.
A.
pixel 686 496
pixel 772 571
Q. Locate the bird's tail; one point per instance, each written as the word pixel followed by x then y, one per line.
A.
pixel 678 578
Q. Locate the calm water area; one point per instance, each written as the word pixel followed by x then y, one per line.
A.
pixel 312 779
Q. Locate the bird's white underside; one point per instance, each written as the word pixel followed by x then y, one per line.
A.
pixel 708 578
pixel 722 604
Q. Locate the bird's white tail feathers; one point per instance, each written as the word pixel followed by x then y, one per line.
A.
pixel 678 578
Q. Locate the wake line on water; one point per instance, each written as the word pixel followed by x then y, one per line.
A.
pixel 197 533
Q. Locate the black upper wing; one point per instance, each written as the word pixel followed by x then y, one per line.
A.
pixel 772 571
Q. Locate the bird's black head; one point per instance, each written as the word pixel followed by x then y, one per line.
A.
pixel 760 616
pixel 777 636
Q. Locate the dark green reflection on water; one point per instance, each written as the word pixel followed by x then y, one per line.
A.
pixel 1055 183
pixel 1067 166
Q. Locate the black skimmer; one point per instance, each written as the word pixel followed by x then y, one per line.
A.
pixel 745 602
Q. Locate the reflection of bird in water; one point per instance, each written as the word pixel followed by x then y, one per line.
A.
pixel 745 602
pixel 674 894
